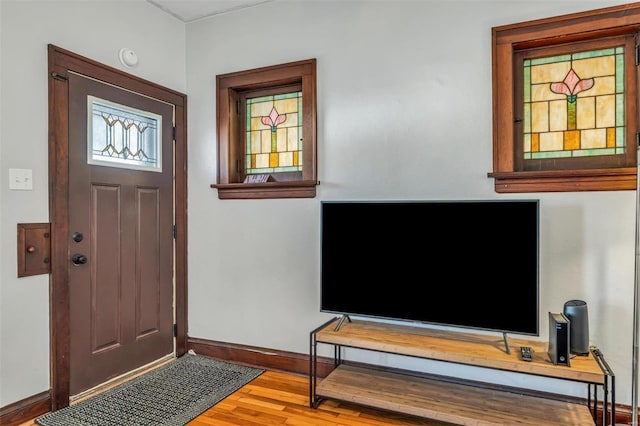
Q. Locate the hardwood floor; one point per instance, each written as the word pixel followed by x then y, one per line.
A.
pixel 276 398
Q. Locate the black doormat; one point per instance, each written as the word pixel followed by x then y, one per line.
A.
pixel 170 395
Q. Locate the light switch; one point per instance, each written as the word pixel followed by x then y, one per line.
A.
pixel 20 179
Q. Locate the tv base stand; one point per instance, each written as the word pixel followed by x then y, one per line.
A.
pixel 341 321
pixel 448 399
pixel 506 343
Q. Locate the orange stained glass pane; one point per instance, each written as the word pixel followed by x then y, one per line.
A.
pixel 571 139
pixel 611 137
pixel 535 142
pixel 273 159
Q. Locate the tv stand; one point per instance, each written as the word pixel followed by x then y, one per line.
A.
pixel 341 321
pixel 450 399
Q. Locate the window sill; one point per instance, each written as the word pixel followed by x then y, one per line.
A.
pixel 565 180
pixel 266 190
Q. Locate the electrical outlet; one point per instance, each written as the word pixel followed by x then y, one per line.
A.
pixel 21 179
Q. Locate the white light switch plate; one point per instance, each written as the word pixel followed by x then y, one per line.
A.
pixel 21 179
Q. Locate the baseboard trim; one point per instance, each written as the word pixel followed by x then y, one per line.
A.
pixel 297 363
pixel 624 414
pixel 270 359
pixel 291 362
pixel 26 409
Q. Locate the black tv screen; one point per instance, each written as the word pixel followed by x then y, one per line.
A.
pixel 470 264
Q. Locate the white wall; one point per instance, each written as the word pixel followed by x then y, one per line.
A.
pixel 404 112
pixel 403 88
pixel 95 29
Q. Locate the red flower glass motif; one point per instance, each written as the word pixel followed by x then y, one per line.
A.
pixel 572 85
pixel 273 119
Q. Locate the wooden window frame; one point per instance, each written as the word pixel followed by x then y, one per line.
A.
pixel 231 88
pixel 507 41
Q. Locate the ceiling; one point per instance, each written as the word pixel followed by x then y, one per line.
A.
pixel 192 10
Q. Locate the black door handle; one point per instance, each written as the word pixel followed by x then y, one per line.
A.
pixel 78 259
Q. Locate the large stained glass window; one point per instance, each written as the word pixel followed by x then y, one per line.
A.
pixel 120 136
pixel 574 105
pixel 274 134
pixel 565 102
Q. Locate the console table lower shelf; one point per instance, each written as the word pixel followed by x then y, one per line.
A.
pixel 446 401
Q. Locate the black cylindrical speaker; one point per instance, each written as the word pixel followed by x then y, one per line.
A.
pixel 576 312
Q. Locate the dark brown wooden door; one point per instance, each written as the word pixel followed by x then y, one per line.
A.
pixel 120 231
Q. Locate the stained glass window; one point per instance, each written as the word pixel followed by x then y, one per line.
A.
pixel 120 136
pixel 565 103
pixel 574 105
pixel 274 133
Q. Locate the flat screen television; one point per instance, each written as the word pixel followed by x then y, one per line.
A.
pixel 470 264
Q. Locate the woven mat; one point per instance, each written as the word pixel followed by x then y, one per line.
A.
pixel 171 395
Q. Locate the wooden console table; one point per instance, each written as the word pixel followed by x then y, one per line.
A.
pixel 448 400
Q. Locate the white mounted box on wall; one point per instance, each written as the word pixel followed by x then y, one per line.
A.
pixel 21 179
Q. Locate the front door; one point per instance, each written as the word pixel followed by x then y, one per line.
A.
pixel 113 327
pixel 121 204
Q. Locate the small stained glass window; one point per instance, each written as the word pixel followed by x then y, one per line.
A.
pixel 574 105
pixel 274 134
pixel 120 136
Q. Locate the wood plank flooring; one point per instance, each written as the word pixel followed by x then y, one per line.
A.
pixel 277 398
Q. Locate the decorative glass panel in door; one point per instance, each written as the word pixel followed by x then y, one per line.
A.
pixel 120 136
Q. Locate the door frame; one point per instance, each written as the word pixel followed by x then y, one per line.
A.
pixel 60 63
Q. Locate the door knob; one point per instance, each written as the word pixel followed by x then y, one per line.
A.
pixel 78 259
